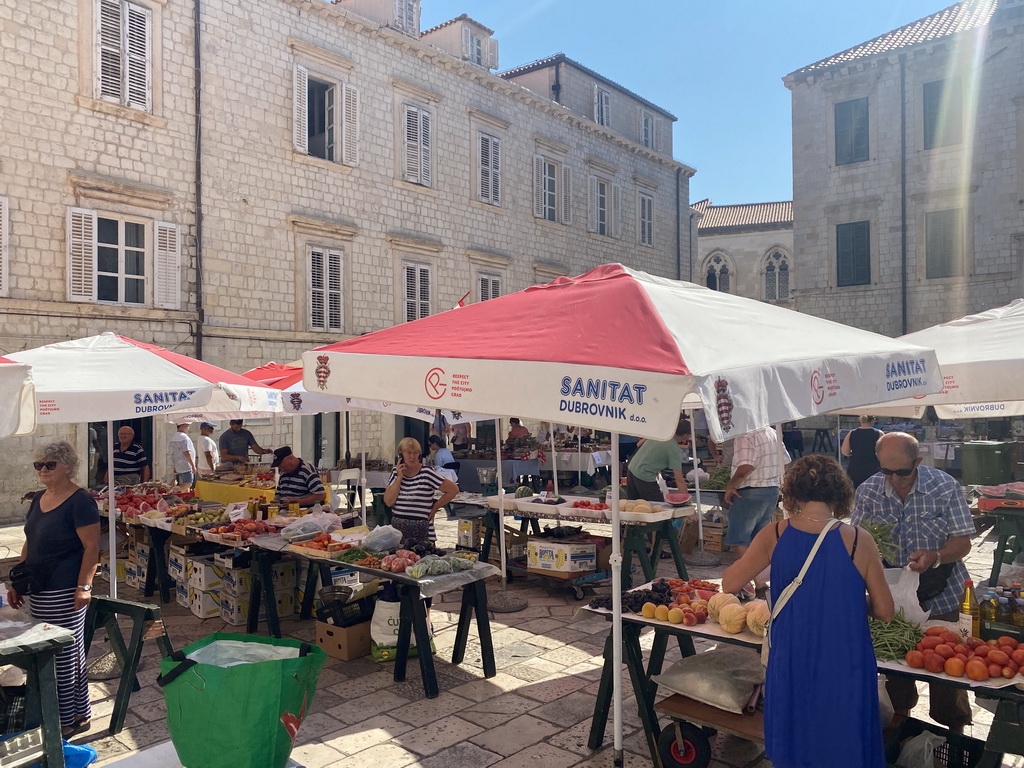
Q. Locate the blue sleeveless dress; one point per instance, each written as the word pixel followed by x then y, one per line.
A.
pixel 821 688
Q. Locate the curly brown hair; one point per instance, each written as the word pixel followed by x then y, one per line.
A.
pixel 818 478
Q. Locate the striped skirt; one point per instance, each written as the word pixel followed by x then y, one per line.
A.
pixel 57 607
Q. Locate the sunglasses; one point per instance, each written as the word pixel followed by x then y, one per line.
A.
pixel 38 465
pixel 897 472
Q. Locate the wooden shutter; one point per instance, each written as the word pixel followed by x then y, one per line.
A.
pixel 851 131
pixel 350 126
pixel 81 255
pixel 483 191
pixel 5 260
pixel 426 150
pixel 467 43
pixel 335 291
pixel 109 74
pixel 566 195
pixel 411 119
pixel 138 57
pixel 942 244
pixel 658 140
pixel 490 287
pixel 853 253
pixel 317 290
pixel 538 186
pixel 300 106
pixel 167 265
pixel 592 207
pixel 495 171
pixel 417 291
pixel 492 53
pixel 615 219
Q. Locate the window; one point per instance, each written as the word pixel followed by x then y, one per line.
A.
pixel 645 219
pixel 472 47
pixel 776 277
pixel 717 274
pixel 326 293
pixel 944 244
pixel 123 260
pixel 489 160
pixel 851 131
pixel 489 286
pixel 124 51
pixel 417 291
pixel 417 155
pixel 853 253
pixel 406 18
pixel 602 106
pixel 605 204
pixel 325 112
pixel 647 133
pixel 5 225
pixel 552 190
pixel 943 113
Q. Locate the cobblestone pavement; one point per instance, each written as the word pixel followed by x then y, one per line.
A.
pixel 538 707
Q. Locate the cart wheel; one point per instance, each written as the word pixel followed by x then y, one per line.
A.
pixel 578 592
pixel 694 751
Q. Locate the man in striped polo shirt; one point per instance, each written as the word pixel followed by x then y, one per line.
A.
pixel 131 464
pixel 299 482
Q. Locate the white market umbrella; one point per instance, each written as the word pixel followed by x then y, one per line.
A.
pixel 17 399
pixel 110 377
pixel 619 350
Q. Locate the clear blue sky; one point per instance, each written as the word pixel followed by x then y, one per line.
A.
pixel 717 66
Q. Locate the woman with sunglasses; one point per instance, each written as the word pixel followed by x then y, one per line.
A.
pixel 62 537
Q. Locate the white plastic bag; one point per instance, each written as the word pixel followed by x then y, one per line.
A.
pixel 383 538
pixel 886 711
pixel 919 752
pixel 903 584
pixel 325 522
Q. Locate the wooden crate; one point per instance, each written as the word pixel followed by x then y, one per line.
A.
pixel 715 542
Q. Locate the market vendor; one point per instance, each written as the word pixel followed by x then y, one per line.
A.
pixel 299 482
pixel 516 430
pixel 236 441
pixel 441 456
pixel 651 458
pixel 411 490
pixel 131 464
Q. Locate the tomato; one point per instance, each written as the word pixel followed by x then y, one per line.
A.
pixel 995 670
pixel 930 642
pixel 934 631
pixel 950 638
pixel 982 651
pixel 977 670
pixel 1018 656
pixel 1009 672
pixel 954 667
pixel 963 657
pixel 993 643
pixel 995 656
pixel 945 651
pixel 1007 649
pixel 934 663
pixel 1007 640
pixel 915 659
pixel 961 648
pixel 974 642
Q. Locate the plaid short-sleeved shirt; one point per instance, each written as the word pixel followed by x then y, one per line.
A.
pixel 934 511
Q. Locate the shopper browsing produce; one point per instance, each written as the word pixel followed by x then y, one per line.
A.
pixel 651 458
pixel 815 706
pixel 411 490
pixel 183 456
pixel 299 482
pixel 859 445
pixel 209 453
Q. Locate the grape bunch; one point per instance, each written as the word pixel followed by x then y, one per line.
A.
pixel 633 601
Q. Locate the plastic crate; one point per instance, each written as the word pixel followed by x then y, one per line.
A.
pixel 955 752
pixel 349 614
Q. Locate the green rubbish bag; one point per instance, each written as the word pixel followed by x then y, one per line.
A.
pixel 237 701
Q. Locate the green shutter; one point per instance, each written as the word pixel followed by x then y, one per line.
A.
pixel 851 118
pixel 943 244
pixel 853 253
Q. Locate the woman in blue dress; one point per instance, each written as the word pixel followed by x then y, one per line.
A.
pixel 821 691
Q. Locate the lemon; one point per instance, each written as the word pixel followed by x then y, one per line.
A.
pixel 648 610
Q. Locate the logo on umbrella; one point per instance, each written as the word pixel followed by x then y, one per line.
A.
pixel 723 403
pixel 434 385
pixel 817 391
pixel 322 371
pixel 296 400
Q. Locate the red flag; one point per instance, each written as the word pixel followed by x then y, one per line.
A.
pixel 462 301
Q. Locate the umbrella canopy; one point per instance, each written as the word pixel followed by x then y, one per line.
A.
pixel 620 350
pixel 107 377
pixel 982 360
pixel 17 399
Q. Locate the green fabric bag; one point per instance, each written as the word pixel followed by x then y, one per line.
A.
pixel 237 701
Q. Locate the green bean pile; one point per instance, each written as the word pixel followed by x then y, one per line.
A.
pixel 893 639
pixel 882 534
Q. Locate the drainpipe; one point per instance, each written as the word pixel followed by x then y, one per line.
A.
pixel 556 88
pixel 198 128
pixel 679 213
pixel 903 192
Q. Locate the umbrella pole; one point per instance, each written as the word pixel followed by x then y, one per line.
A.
pixel 362 464
pixel 111 512
pixel 554 462
pixel 615 563
pixel 701 556
pixel 502 602
pixel 839 443
pixel 579 457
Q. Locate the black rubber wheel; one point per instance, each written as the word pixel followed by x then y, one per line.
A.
pixel 694 751
pixel 578 592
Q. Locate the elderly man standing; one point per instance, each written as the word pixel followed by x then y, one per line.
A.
pixel 932 529
pixel 131 464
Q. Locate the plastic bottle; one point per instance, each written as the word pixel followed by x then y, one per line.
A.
pixel 1003 613
pixel 987 609
pixel 970 613
pixel 1018 614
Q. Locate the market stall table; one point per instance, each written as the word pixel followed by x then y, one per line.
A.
pixel 511 470
pixel 226 493
pixel 572 461
pixel 1009 522
pixel 413 614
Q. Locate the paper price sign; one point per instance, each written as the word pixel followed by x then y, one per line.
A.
pixel 238 510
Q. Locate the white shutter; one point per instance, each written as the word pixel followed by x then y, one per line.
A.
pixel 615 219
pixel 426 150
pixel 490 287
pixel 483 188
pixel 317 290
pixel 81 255
pixel 108 50
pixel 659 135
pixel 350 127
pixel 300 117
pixel 335 291
pixel 592 207
pixel 5 225
pixel 496 171
pixel 606 108
pixel 410 293
pixel 538 186
pixel 411 171
pixel 566 196
pixel 138 57
pixel 417 291
pixel 492 53
pixel 400 15
pixel 167 265
pixel 597 104
pixel 467 43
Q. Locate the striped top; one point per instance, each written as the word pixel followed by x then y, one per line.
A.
pixel 302 482
pixel 416 494
pixel 130 461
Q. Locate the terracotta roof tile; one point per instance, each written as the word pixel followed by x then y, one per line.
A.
pixel 961 17
pixel 463 17
pixel 744 215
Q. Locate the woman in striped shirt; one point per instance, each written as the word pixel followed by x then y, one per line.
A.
pixel 410 493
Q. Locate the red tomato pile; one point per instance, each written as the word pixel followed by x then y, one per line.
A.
pixel 586 504
pixel 245 529
pixel 942 651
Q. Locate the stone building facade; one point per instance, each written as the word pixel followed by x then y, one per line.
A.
pixel 346 175
pixel 746 250
pixel 908 171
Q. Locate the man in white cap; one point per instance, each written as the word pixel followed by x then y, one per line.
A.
pixel 183 456
pixel 208 451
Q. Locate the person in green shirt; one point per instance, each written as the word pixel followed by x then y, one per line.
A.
pixel 651 458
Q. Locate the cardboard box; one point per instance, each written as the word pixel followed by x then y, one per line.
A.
pixel 602 547
pixel 181 595
pixel 176 566
pixel 239 580
pixel 234 609
pixel 232 558
pixel 562 556
pixel 470 534
pixel 345 643
pixel 205 605
pixel 515 545
pixel 132 575
pixel 204 575
pixel 715 543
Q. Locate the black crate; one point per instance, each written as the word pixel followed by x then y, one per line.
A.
pixel 347 614
pixel 955 752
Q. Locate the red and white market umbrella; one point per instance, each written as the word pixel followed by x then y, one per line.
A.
pixel 17 399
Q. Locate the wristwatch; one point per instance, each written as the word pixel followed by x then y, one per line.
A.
pixel 85 587
pixel 938 559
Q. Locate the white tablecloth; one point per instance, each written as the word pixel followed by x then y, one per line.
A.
pixel 511 469
pixel 579 462
pixel 380 479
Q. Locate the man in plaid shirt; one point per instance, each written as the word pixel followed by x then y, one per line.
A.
pixel 931 526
